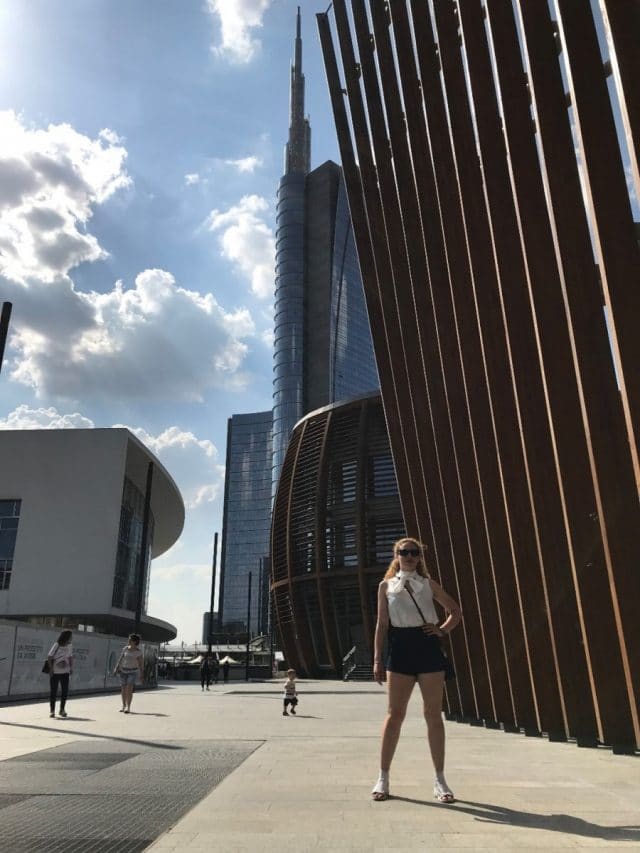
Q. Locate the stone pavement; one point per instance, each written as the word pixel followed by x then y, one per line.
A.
pixel 225 771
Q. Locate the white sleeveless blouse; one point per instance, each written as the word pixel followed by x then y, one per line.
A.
pixel 403 613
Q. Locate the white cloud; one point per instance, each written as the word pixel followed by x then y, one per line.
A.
pixel 50 181
pixel 247 241
pixel 156 340
pixel 192 178
pixel 237 18
pixel 245 164
pixel 23 417
pixel 198 474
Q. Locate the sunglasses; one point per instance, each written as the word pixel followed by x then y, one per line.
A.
pixel 408 552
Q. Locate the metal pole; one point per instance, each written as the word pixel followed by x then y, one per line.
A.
pixel 246 669
pixel 143 548
pixel 4 327
pixel 272 633
pixel 213 590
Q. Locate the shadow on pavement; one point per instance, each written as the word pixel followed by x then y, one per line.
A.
pixel 150 743
pixel 489 813
pixel 306 717
pixel 71 719
pixel 147 714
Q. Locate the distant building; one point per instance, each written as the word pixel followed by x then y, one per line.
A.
pixel 205 625
pixel 71 511
pixel 246 523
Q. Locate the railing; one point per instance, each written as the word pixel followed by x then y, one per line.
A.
pixel 348 663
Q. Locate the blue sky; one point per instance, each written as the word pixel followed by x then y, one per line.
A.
pixel 140 149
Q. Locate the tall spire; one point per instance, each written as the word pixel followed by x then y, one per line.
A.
pixel 297 157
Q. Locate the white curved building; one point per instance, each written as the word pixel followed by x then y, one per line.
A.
pixel 71 509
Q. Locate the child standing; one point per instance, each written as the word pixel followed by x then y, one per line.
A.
pixel 290 694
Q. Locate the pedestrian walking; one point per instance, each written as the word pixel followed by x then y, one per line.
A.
pixel 290 693
pixel 205 672
pixel 60 659
pixel 130 667
pixel 215 668
pixel 406 612
pixel 225 671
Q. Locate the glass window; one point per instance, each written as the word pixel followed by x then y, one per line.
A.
pixel 9 520
pixel 125 582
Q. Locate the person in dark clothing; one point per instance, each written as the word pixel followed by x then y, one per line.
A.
pixel 225 671
pixel 205 672
pixel 60 659
pixel 215 668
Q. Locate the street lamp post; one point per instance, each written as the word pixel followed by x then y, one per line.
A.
pixel 246 670
pixel 4 327
pixel 213 590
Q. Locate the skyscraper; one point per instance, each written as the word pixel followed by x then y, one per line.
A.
pixel 322 342
pixel 246 522
pixel 322 352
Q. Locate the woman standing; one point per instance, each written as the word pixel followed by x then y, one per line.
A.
pixel 129 667
pixel 406 611
pixel 60 659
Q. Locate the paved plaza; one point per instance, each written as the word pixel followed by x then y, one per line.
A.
pixel 224 770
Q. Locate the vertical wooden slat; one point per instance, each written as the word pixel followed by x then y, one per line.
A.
pixel 618 511
pixel 614 231
pixel 622 26
pixel 357 180
pixel 385 339
pixel 506 440
pixel 523 351
pixel 393 254
pixel 450 384
pixel 460 184
pixel 570 590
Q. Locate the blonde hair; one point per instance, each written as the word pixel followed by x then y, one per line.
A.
pixel 394 565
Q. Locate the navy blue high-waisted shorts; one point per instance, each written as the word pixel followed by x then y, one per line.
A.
pixel 412 652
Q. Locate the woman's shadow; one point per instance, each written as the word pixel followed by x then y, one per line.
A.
pixel 490 813
pixel 146 714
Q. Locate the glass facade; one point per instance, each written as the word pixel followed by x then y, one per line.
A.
pixel 353 368
pixel 323 350
pixel 9 520
pixel 246 523
pixel 125 582
pixel 289 315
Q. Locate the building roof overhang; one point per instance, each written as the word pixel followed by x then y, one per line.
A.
pixel 167 505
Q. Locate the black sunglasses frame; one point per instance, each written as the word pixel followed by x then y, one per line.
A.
pixel 408 552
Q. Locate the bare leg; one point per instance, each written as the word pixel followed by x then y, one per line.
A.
pixel 123 695
pixel 431 687
pixel 129 695
pixel 399 689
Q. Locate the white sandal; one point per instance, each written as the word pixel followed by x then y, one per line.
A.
pixel 442 792
pixel 380 790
